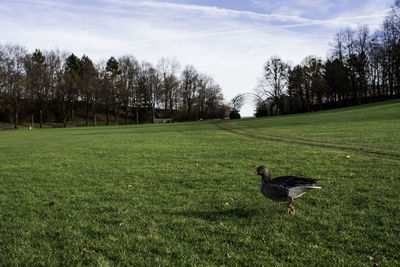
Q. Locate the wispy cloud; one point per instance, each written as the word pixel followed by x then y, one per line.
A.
pixel 290 20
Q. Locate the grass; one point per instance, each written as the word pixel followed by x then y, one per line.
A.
pixel 182 194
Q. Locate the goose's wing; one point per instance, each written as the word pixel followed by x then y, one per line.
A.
pixel 292 181
pixel 274 191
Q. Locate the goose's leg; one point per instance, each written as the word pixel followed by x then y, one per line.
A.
pixel 293 211
pixel 290 207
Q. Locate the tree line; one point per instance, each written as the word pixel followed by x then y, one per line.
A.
pixel 363 67
pixel 55 86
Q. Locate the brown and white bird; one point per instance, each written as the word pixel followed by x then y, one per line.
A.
pixel 284 188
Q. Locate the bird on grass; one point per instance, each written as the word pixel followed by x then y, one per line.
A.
pixel 284 188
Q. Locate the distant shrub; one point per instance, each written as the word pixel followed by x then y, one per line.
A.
pixel 234 114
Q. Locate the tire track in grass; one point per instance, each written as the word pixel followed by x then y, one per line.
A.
pixel 309 142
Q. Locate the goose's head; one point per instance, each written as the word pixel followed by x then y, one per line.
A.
pixel 263 171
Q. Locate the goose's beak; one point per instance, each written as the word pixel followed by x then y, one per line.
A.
pixel 254 173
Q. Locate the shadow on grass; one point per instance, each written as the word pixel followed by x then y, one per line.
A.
pixel 241 213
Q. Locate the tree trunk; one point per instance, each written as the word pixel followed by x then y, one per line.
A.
pixel 277 106
pixel 65 115
pixel 153 114
pixel 189 110
pixel 41 118
pixel 94 113
pixel 171 110
pixel 320 102
pixel 41 115
pixel 108 113
pixel 86 115
pixel 391 83
pixel 15 119
pixel 303 104
pixel 115 114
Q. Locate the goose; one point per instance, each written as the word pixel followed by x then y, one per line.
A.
pixel 284 188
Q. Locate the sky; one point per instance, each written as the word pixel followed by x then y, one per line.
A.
pixel 227 39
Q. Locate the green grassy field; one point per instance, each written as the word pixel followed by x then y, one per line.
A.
pixel 182 194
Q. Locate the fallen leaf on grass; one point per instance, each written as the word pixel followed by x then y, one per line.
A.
pixel 372 257
pixel 88 250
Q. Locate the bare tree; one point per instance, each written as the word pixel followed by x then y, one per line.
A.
pixel 361 66
pixel 315 82
pixel 274 82
pixel 12 78
pixel 54 61
pixel 60 83
pixel 102 92
pixel 375 54
pixel 60 94
pixel 338 46
pixel 204 82
pixel 168 69
pixel 129 67
pixel 297 88
pixel 213 95
pixel 189 83
pixel 149 87
pixel 2 75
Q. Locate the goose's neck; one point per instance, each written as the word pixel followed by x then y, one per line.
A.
pixel 266 177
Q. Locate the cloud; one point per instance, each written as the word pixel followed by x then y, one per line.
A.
pixel 288 20
pixel 299 7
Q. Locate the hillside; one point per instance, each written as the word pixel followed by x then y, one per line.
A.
pixel 182 194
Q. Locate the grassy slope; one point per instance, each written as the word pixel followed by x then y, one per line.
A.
pixel 182 194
